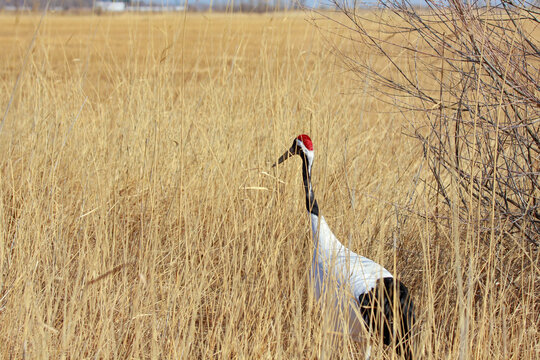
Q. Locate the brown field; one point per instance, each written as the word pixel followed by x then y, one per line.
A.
pixel 140 218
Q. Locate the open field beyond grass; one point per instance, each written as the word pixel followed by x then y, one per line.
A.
pixel 140 218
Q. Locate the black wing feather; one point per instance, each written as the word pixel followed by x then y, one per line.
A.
pixel 377 309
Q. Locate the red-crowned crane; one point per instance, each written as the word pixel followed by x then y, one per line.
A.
pixel 358 286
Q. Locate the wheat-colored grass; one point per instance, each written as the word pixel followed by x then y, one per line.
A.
pixel 139 216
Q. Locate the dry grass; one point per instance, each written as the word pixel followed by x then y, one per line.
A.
pixel 137 221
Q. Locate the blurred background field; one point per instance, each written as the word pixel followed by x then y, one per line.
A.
pixel 140 218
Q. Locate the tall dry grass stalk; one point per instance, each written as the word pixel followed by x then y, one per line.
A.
pixel 139 217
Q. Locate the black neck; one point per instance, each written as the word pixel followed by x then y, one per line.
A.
pixel 311 203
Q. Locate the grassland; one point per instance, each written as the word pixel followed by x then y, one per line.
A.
pixel 139 216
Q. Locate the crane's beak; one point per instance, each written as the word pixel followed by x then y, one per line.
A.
pixel 284 157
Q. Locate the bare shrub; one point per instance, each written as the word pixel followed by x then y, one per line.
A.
pixel 470 75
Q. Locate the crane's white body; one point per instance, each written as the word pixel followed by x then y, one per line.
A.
pixel 340 277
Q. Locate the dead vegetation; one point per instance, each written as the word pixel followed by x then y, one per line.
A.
pixel 139 217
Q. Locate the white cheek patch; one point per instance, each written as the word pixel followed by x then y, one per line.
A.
pixel 309 153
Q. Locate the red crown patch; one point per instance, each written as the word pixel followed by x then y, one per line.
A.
pixel 306 141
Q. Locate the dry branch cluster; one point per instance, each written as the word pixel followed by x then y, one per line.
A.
pixel 477 105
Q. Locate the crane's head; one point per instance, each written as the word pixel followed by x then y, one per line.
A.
pixel 302 146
